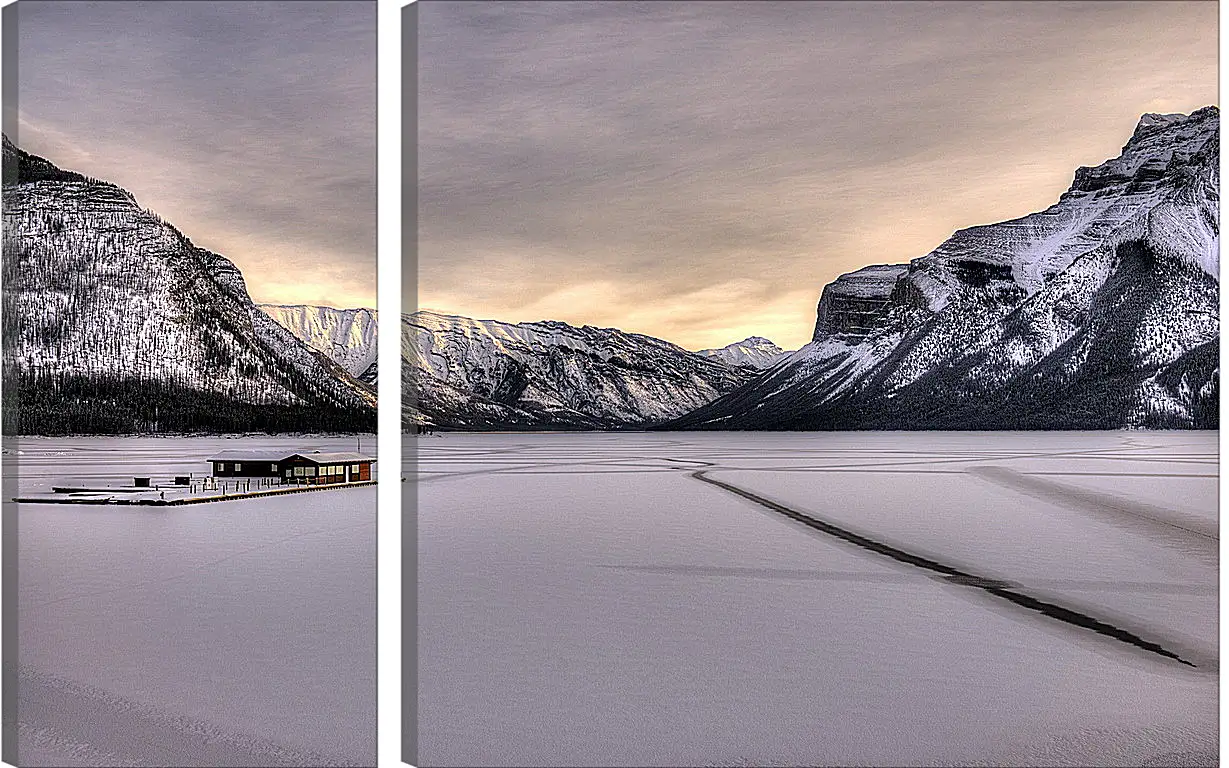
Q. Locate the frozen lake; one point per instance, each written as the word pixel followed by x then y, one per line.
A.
pixel 960 599
pixel 237 633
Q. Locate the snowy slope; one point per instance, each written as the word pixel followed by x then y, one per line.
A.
pixel 346 336
pixel 754 353
pixel 472 374
pixel 1099 312
pixel 115 322
pixel 790 647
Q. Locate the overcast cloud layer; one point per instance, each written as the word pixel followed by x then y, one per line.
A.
pixel 250 126
pixel 699 171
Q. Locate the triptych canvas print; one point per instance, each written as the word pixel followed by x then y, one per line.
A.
pixel 808 383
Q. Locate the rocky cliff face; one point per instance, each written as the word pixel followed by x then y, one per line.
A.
pixel 1100 312
pixel 345 336
pixel 483 374
pixel 852 304
pixel 115 322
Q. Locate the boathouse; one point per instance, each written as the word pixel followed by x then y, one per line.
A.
pixel 303 467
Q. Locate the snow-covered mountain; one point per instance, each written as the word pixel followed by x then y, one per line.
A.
pixel 1100 312
pixel 483 374
pixel 115 322
pixel 346 336
pixel 754 353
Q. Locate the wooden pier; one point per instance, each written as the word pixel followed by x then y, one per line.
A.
pixel 96 495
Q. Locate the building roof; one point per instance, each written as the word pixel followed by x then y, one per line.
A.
pixel 342 457
pixel 232 455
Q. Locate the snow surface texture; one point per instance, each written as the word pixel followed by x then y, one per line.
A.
pixel 239 633
pixel 104 301
pixel 1100 312
pixel 754 352
pixel 345 336
pixel 583 600
pixel 480 374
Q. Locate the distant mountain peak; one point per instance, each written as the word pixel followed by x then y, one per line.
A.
pixel 753 352
pixel 348 310
pixel 1154 122
pixel 1151 121
pixel 346 336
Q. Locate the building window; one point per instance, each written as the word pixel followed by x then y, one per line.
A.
pixel 273 468
pixel 354 467
pixel 300 471
pixel 238 466
pixel 218 466
pixel 289 473
pixel 311 471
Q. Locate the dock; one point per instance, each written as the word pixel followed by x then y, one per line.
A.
pixel 272 472
pixel 150 497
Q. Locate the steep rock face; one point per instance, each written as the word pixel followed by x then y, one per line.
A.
pixel 851 304
pixel 754 353
pixel 1100 312
pixel 345 336
pixel 483 374
pixel 115 322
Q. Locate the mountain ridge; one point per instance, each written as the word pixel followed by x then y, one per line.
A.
pixel 348 337
pixel 115 322
pixel 462 373
pixel 1100 312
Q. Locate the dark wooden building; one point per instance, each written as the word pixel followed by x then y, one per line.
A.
pixel 340 467
pixel 247 463
pixel 304 467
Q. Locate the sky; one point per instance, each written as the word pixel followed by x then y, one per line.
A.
pixel 249 126
pixel 699 171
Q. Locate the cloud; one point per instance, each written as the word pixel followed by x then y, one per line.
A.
pixel 248 125
pixel 665 149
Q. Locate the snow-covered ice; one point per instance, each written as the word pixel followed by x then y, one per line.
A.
pixel 236 633
pixel 585 600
